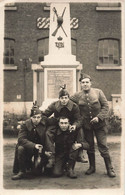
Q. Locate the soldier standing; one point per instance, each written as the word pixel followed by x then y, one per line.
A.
pixel 94 110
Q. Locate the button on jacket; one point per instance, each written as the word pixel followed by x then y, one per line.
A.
pixel 71 111
pixel 92 104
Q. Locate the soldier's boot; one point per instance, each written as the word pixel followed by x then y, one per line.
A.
pixel 21 163
pixel 51 161
pixel 109 167
pixel 20 175
pixel 91 169
pixel 70 170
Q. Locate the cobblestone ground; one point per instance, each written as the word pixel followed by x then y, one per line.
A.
pixel 98 180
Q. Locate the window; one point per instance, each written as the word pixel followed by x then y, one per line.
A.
pixel 43 47
pixel 9 51
pixel 108 52
pixel 73 43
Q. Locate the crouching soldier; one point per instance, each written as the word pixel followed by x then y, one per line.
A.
pixel 31 144
pixel 66 149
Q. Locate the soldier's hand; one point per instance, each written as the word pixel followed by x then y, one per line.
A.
pixel 72 128
pixel 76 146
pixel 48 154
pixel 94 120
pixel 39 147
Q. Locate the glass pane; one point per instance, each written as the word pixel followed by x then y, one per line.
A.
pixel 100 60
pixel 110 51
pixel 6 43
pixel 111 60
pixel 6 53
pixel 115 52
pixel 106 60
pixel 6 61
pixel 46 44
pixel 11 61
pixel 105 47
pixel 100 44
pixel 100 52
pixel 116 60
pixel 105 51
pixel 11 52
pixel 115 44
pixel 110 43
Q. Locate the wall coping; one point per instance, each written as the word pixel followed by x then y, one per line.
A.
pixel 108 8
pixel 7 67
pixel 109 67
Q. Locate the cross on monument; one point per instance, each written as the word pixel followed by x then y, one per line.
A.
pixel 60 36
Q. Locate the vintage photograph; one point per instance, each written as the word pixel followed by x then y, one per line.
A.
pixel 62 96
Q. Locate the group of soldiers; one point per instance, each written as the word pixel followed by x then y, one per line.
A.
pixel 53 145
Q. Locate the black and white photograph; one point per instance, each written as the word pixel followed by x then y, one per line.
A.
pixel 62 128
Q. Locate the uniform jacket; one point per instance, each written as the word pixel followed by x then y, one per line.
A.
pixel 92 104
pixel 65 139
pixel 29 135
pixel 71 111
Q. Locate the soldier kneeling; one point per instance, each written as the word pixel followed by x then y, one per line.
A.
pixel 66 149
pixel 31 145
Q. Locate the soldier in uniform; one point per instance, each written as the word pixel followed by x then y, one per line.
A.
pixel 94 110
pixel 63 107
pixel 66 149
pixel 31 143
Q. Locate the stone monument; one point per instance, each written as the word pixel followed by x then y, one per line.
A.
pixel 60 66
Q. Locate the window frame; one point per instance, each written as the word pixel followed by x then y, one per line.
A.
pixel 109 66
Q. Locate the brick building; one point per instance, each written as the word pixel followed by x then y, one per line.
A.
pixel 96 42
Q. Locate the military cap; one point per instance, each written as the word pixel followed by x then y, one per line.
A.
pixel 63 91
pixel 35 110
pixel 84 76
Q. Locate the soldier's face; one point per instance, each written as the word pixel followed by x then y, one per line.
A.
pixel 36 119
pixel 64 100
pixel 86 84
pixel 64 124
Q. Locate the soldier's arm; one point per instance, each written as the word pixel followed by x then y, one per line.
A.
pixel 23 138
pixel 75 98
pixel 104 106
pixel 50 110
pixel 77 117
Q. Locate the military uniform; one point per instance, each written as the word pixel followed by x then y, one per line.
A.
pixel 29 135
pixel 64 153
pixel 70 111
pixel 93 104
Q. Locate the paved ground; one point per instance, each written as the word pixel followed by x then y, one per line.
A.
pixel 98 180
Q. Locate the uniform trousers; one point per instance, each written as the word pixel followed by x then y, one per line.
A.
pixel 101 137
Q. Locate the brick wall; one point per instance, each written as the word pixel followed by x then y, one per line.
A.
pixel 93 25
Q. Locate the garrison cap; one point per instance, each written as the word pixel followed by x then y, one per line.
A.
pixel 35 110
pixel 84 76
pixel 63 91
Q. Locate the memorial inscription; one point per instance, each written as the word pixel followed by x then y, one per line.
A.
pixel 57 78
